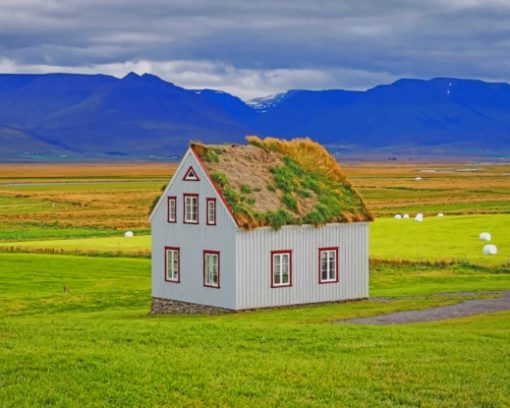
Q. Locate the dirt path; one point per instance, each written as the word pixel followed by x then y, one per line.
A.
pixel 467 308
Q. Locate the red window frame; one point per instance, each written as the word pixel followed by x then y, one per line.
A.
pixel 205 284
pixel 196 178
pixel 184 208
pixel 279 252
pixel 207 201
pixel 167 279
pixel 337 271
pixel 174 199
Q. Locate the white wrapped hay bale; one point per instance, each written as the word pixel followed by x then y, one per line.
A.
pixel 490 250
pixel 398 216
pixel 405 216
pixel 129 234
pixel 419 217
pixel 418 179
pixel 440 214
pixel 485 236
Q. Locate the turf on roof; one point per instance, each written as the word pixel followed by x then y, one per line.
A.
pixel 272 182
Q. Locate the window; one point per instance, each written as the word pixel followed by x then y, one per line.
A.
pixel 212 269
pixel 211 211
pixel 191 208
pixel 191 175
pixel 281 268
pixel 172 209
pixel 172 264
pixel 328 265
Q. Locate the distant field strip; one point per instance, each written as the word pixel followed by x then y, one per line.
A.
pixel 474 188
pixel 447 239
pixel 138 246
pixel 118 196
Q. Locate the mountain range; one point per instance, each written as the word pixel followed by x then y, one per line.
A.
pixel 100 117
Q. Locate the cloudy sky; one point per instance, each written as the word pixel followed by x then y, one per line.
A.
pixel 256 48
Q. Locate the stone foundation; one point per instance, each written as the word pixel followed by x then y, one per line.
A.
pixel 162 306
pixel 168 306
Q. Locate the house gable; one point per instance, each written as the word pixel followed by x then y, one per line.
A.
pixel 190 170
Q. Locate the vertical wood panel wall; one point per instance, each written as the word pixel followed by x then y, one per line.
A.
pixel 253 262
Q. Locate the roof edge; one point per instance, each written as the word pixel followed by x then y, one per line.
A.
pixel 192 147
pixel 170 182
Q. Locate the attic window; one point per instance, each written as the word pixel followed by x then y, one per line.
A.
pixel 191 175
pixel 191 208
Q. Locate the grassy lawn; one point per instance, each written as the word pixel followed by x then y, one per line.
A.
pixel 94 344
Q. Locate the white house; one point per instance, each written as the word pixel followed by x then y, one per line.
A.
pixel 271 223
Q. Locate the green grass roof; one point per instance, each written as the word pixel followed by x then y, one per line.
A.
pixel 272 182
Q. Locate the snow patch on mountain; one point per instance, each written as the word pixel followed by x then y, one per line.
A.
pixel 263 103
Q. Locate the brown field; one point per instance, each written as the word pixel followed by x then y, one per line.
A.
pixel 461 188
pixel 118 196
pixel 84 170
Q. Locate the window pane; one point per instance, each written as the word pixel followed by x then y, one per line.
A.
pixel 284 263
pixel 276 269
pixel 188 208
pixel 285 277
pixel 176 263
pixel 194 202
pixel 285 268
pixel 208 268
pixel 332 266
pixel 324 264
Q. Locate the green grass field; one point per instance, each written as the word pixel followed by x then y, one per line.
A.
pixel 450 238
pixel 75 329
pixel 95 344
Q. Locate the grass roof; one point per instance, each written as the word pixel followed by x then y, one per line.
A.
pixel 273 182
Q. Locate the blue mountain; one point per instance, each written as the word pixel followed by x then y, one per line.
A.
pixel 94 117
pixel 465 115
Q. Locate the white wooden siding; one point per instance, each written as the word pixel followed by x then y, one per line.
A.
pixel 192 240
pixel 253 262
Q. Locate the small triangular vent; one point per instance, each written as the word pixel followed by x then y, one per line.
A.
pixel 191 175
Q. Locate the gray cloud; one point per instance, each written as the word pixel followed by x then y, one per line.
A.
pixel 257 47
